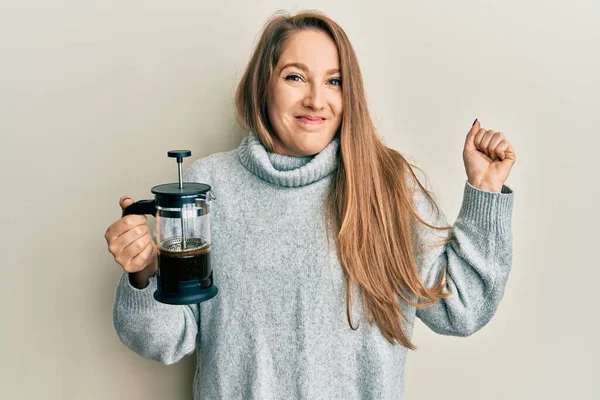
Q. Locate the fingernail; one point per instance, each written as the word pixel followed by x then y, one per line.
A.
pixel 474 123
pixel 125 198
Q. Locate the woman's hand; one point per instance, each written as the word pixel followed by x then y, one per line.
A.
pixel 130 242
pixel 488 158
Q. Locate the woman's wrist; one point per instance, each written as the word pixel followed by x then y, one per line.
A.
pixel 488 187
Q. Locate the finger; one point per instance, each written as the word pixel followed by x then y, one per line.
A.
pixel 485 142
pixel 509 154
pixel 132 221
pixel 119 244
pixel 501 148
pixel 494 142
pixel 134 240
pixel 140 261
pixel 508 161
pixel 125 202
pixel 469 145
pixel 123 225
pixel 478 138
pixel 133 248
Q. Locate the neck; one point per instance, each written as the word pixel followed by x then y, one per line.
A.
pixel 286 170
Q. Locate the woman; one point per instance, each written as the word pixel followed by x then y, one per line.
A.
pixel 325 245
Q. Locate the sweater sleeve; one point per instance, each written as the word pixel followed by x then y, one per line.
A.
pixel 477 260
pixel 162 332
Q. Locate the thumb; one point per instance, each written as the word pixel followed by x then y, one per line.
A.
pixel 125 202
pixel 470 140
pixel 508 161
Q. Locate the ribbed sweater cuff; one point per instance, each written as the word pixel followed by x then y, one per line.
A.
pixel 134 299
pixel 488 210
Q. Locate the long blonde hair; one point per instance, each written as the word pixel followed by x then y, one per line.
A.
pixel 369 204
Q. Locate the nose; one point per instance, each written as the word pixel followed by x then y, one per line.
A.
pixel 314 97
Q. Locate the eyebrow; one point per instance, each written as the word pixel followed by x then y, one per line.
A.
pixel 305 69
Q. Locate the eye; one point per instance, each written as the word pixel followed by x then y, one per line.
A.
pixel 339 81
pixel 287 78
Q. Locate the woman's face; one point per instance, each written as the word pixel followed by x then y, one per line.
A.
pixel 305 94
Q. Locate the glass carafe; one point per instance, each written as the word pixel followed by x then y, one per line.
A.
pixel 182 212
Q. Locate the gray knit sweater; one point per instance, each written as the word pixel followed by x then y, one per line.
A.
pixel 278 327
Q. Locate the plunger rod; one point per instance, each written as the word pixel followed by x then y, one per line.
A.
pixel 183 244
pixel 179 162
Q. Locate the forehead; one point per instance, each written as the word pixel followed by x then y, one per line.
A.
pixel 311 47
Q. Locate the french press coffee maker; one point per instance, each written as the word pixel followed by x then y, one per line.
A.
pixel 182 212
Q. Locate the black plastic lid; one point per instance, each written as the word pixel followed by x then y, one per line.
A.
pixel 169 195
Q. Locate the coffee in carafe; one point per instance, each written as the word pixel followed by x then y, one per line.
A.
pixel 183 263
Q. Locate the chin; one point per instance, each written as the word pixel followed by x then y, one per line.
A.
pixel 311 149
pixel 303 143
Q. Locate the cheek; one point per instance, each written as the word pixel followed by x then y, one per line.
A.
pixel 274 103
pixel 282 103
pixel 272 110
pixel 337 104
pixel 276 112
pixel 339 110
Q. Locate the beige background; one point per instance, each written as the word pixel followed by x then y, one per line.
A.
pixel 93 94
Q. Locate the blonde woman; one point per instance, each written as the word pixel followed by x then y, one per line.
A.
pixel 325 244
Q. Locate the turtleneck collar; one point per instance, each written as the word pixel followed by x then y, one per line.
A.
pixel 285 170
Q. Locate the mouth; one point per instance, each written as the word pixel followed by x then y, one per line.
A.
pixel 309 120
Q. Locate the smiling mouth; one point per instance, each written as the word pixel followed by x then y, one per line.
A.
pixel 310 121
pixel 309 117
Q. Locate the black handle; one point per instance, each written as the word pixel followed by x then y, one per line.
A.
pixel 141 207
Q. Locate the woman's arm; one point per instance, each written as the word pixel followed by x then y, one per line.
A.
pixel 478 260
pixel 162 332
